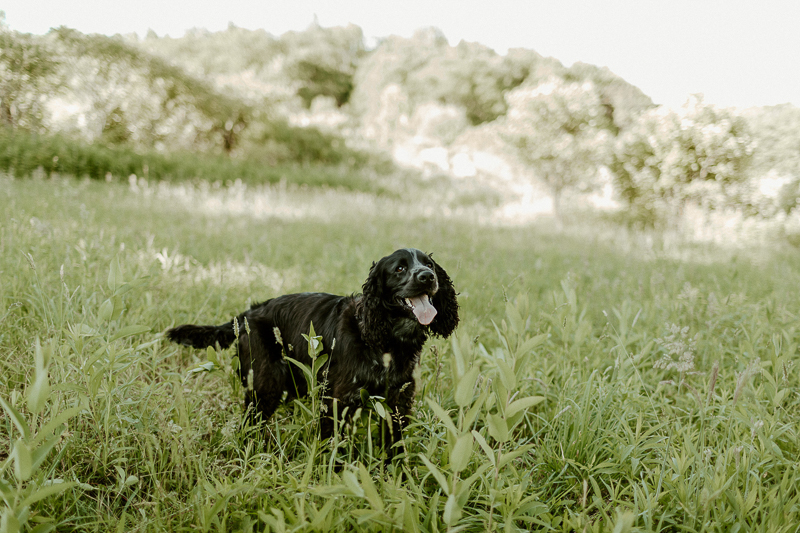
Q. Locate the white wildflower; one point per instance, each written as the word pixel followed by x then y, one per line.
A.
pixel 757 424
pixel 678 350
pixel 689 294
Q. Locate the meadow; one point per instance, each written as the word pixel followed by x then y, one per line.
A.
pixel 600 380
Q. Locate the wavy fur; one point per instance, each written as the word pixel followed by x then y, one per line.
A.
pixel 357 331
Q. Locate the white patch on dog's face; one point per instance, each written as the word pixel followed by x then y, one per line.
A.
pixel 410 277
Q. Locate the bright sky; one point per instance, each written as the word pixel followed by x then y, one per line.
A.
pixel 736 52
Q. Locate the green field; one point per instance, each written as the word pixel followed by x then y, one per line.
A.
pixel 599 381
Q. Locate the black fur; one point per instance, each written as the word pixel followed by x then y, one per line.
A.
pixel 357 331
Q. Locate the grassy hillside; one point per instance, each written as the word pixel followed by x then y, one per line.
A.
pixel 597 381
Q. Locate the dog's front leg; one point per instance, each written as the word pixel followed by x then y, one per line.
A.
pixel 338 409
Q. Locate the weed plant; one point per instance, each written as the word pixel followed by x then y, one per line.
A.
pixel 597 382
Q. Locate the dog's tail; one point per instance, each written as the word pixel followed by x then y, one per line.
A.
pixel 203 336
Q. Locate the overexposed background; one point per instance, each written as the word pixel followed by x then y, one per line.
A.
pixel 737 53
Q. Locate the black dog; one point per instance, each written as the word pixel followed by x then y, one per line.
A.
pixel 374 340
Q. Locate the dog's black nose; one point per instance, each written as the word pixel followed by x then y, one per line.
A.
pixel 425 276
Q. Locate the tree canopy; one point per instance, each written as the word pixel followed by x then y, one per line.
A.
pixel 668 158
pixel 558 130
pixel 28 75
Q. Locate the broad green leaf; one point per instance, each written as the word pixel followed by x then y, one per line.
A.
pixel 351 482
pixel 128 331
pixel 132 284
pixel 510 456
pixel 17 418
pixel 523 403
pixel 23 464
pixel 500 335
pixel 485 446
pixel 514 318
pixel 777 400
pixel 380 409
pixel 500 394
pixel 476 408
pixel 458 357
pixel 9 522
pixel 498 428
pixel 5 489
pixel 319 521
pixel 624 521
pixel 370 491
pixel 40 453
pixel 114 275
pixel 38 392
pixel 42 354
pixel 117 301
pixel 106 310
pixel 531 343
pixel 507 375
pixel 302 366
pixel 211 355
pixel 443 416
pixel 44 528
pixel 47 491
pixel 452 511
pixel 208 366
pixel 465 386
pixel 319 362
pixel 462 453
pixel 437 474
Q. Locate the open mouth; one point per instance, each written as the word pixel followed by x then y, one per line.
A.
pixel 421 307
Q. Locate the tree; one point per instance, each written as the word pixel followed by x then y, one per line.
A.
pixel 669 158
pixel 776 130
pixel 132 95
pixel 28 75
pixel 622 101
pixel 428 70
pixel 322 61
pixel 557 129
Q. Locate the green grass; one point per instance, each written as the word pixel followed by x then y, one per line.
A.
pixel 311 160
pixel 553 409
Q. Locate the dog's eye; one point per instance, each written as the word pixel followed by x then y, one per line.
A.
pixel 430 265
pixel 399 269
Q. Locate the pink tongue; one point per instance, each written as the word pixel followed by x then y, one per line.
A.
pixel 423 309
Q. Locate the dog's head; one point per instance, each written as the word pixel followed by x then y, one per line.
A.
pixel 409 283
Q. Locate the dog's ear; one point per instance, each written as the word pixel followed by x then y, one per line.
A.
pixel 445 303
pixel 373 287
pixel 373 323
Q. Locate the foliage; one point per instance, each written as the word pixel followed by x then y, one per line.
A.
pixel 426 68
pixel 698 154
pixel 622 101
pixel 28 75
pixel 776 132
pixel 776 158
pixel 25 154
pixel 548 410
pixel 276 141
pixel 558 131
pixel 155 99
pixel 322 61
pixel 130 99
pixel 315 62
